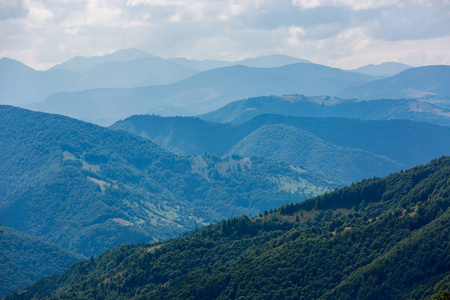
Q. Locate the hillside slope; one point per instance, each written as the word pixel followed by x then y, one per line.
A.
pixel 301 148
pixel 384 238
pixel 88 188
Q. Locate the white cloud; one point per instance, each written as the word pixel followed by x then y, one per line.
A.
pixel 294 35
pixel 337 32
pixel 37 13
pixel 354 4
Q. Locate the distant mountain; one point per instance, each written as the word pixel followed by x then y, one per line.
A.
pixel 344 149
pixel 127 68
pixel 384 69
pixel 202 92
pixel 24 259
pixel 412 83
pixel 21 84
pixel 431 110
pixel 270 61
pixel 87 188
pixel 382 238
pixel 201 65
pixel 139 72
pixel 82 63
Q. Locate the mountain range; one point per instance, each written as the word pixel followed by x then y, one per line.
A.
pixel 383 238
pixel 107 88
pixel 210 90
pixel 202 92
pixel 126 68
pixel 213 206
pixel 87 188
pixel 344 149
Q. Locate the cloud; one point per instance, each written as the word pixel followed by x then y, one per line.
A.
pixel 353 4
pixel 12 9
pixel 44 32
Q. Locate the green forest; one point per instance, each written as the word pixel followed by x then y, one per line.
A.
pixel 381 238
pixel 345 150
pixel 24 259
pixel 88 189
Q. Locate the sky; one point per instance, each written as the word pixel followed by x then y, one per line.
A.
pixel 339 33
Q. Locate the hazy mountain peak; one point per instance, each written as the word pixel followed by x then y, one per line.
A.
pixel 127 54
pixel 270 61
pixel 83 63
pixel 6 62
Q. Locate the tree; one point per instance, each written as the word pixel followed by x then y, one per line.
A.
pixel 445 295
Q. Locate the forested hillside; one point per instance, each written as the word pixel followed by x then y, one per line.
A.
pixel 383 238
pixel 88 188
pixel 345 149
pixel 24 259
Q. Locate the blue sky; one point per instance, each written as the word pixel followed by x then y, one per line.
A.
pixel 340 33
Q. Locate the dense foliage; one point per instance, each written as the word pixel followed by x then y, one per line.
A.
pixel 346 150
pixel 89 189
pixel 383 238
pixel 24 259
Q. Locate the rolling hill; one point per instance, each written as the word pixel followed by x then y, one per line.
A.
pixel 383 238
pixel 202 92
pixel 430 110
pixel 87 188
pixel 344 149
